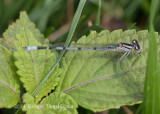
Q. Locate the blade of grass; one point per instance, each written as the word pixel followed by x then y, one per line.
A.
pixel 69 37
pixel 46 9
pixel 99 13
pixel 145 6
pixel 132 7
pixel 2 8
pixel 151 96
pixel 10 10
pixel 2 11
pixel 49 9
pixel 28 5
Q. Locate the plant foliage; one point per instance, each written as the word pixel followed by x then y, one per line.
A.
pixel 9 80
pixel 84 66
pixel 33 66
pixel 86 78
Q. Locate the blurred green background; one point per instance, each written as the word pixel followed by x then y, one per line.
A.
pixel 53 19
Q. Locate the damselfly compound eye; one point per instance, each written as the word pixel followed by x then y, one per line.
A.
pixel 136 45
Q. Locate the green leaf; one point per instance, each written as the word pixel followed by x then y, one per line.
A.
pixel 9 81
pixel 30 107
pixel 60 103
pixel 2 42
pixel 34 65
pixel 14 29
pixel 55 103
pixel 86 67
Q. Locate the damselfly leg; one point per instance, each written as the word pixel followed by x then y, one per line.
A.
pixel 125 55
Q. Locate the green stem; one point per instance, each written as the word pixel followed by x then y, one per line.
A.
pixel 99 13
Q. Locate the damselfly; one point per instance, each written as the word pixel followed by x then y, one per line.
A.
pixel 122 46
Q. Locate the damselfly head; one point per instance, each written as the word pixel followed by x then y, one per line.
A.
pixel 136 46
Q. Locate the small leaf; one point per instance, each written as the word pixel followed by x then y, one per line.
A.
pixel 34 65
pixel 81 67
pixel 9 81
pixel 30 107
pixel 14 29
pixel 56 103
pixel 59 103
